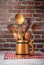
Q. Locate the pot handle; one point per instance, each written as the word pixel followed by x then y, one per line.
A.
pixel 31 44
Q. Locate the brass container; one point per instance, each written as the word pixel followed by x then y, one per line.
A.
pixel 22 47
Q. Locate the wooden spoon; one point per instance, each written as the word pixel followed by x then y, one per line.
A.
pixel 11 28
pixel 15 36
pixel 34 26
pixel 29 34
pixel 19 20
pixel 27 25
pixel 25 34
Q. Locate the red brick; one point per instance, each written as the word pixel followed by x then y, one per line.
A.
pixel 29 7
pixel 12 45
pixel 2 40
pixel 42 50
pixel 36 3
pixel 5 45
pixel 0 36
pixel 4 2
pixel 10 40
pixel 34 45
pixel 36 49
pixel 42 15
pixel 38 19
pixel 39 45
pixel 23 10
pixel 6 7
pixel 7 36
pixel 6 49
pixel 27 2
pixel 5 15
pixel 24 3
pixel 42 3
pixel 36 7
pixel 30 2
pixel 14 3
pixel 42 36
pixel 14 11
pixel 27 15
pixel 7 23
pixel 3 27
pixel 9 7
pixel 20 7
pixel 38 15
pixel 38 32
pixel 3 10
pixel 42 11
pixel 4 19
pixel 5 32
pixel 29 11
pixel 39 41
pixel 37 36
pixel 37 11
pixel 0 45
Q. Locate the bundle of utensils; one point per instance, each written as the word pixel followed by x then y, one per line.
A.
pixel 19 34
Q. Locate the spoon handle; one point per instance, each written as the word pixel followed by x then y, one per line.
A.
pixel 20 30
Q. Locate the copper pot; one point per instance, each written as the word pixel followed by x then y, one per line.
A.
pixel 22 47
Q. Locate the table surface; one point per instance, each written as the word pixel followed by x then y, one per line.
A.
pixel 19 61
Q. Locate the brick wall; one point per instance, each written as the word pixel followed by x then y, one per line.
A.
pixel 33 9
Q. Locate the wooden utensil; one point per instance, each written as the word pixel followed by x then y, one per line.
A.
pixel 29 34
pixel 27 25
pixel 31 44
pixel 26 28
pixel 34 26
pixel 11 28
pixel 20 32
pixel 19 20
